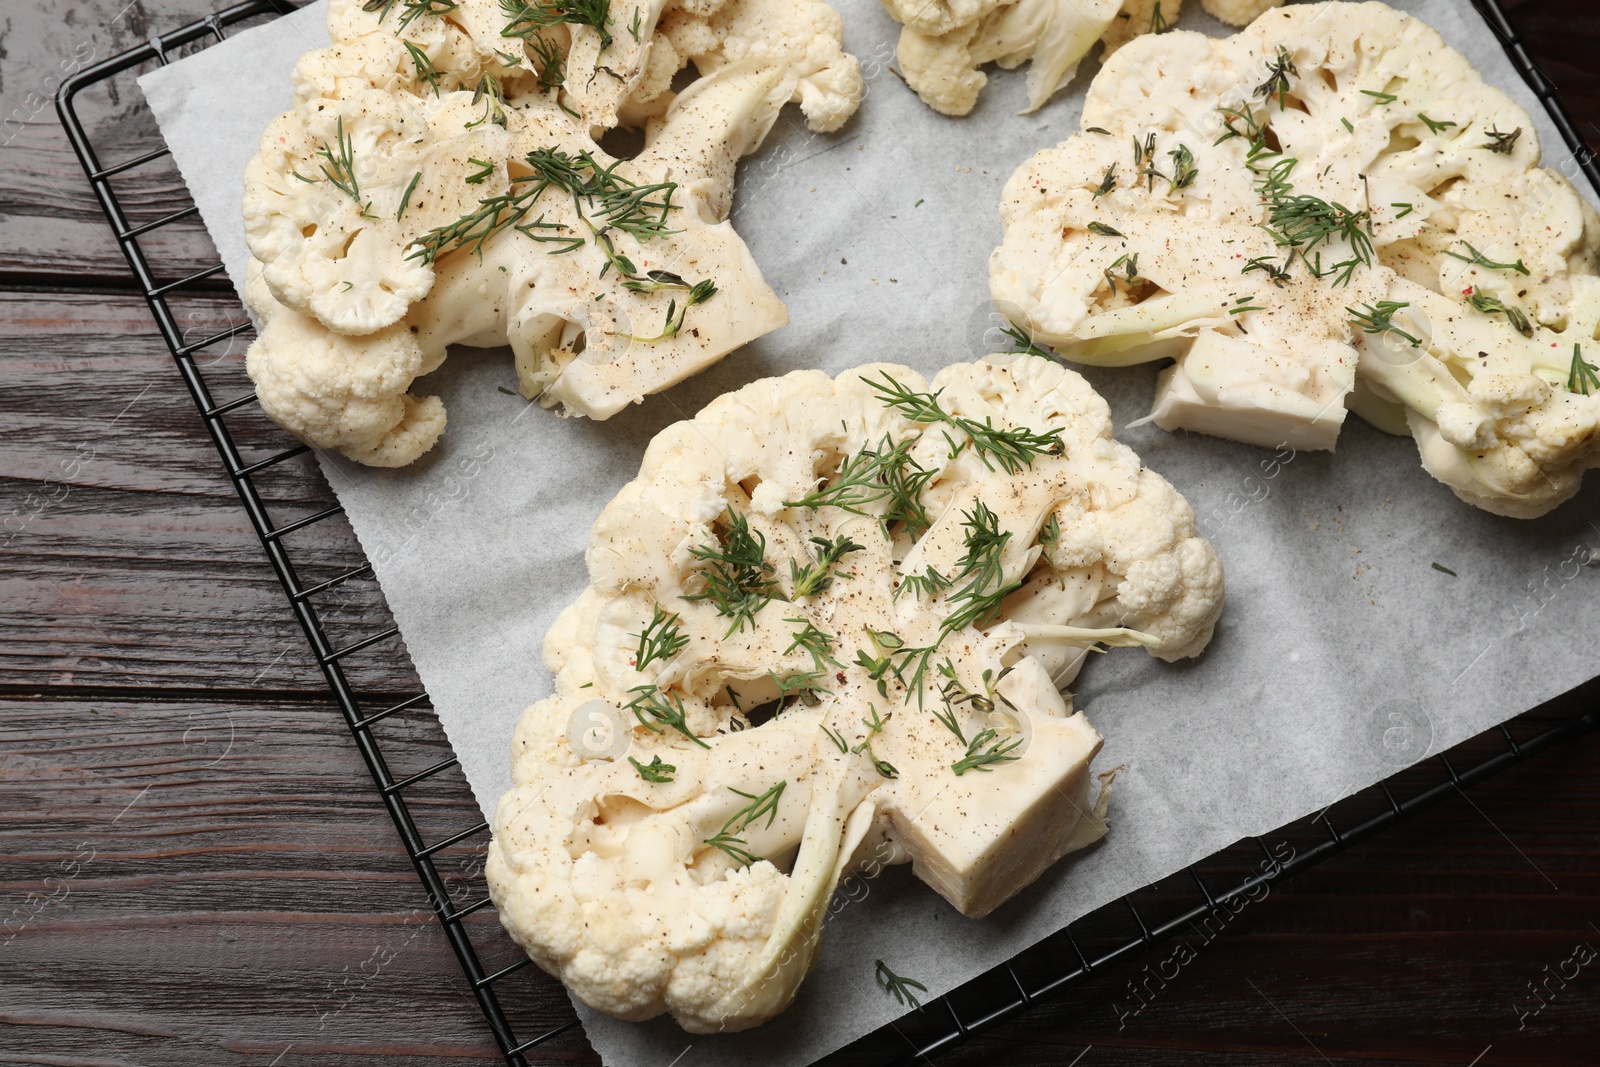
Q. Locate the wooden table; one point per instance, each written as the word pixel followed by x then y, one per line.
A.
pixel 194 868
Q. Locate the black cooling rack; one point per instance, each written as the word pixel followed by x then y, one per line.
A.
pixel 1112 934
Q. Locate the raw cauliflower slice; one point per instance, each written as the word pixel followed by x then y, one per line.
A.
pixel 438 182
pixel 831 619
pixel 944 44
pixel 1304 206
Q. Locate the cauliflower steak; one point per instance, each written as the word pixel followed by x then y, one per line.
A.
pixel 440 181
pixel 1328 210
pixel 830 623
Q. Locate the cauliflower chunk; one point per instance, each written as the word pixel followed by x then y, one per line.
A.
pixel 945 43
pixel 1304 206
pixel 831 617
pixel 438 182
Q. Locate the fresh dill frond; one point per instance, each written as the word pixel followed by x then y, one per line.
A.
pixel 1379 318
pixel 528 18
pixel 1381 98
pixel 1130 277
pixel 1108 183
pixel 551 61
pixel 1478 259
pixel 405 198
pixel 1490 305
pixel 1279 70
pixel 426 71
pixel 834 736
pixel 1501 143
pixel 886 472
pixel 661 639
pixel 1278 274
pixel 1012 449
pixel 1050 533
pixel 1583 377
pixel 1021 341
pixel 658 710
pixel 493 98
pixel 817 643
pixel 1102 230
pixel 1184 171
pixel 897 986
pixel 655 770
pixel 1435 126
pixel 478 177
pixel 738 578
pixel 1408 209
pixel 984 751
pixel 699 293
pixel 1158 22
pixel 979 577
pixel 339 164
pixel 818 576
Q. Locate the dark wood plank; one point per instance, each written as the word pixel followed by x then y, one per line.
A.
pixel 214 883
pixel 128 559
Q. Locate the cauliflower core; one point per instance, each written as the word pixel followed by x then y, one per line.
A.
pixel 946 42
pixel 830 621
pixel 439 182
pixel 1329 209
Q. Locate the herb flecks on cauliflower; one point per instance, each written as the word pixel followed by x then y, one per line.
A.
pixel 1306 218
pixel 831 620
pixel 945 44
pixel 440 178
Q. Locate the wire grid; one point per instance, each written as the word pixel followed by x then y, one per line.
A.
pixel 1089 946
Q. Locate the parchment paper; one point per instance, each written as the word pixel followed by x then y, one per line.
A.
pixel 1343 654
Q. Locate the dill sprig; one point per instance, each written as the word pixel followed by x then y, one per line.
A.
pixel 411 10
pixel 658 710
pixel 633 27
pixel 1098 228
pixel 638 210
pixel 1050 532
pixel 836 738
pixel 955 692
pixel 1379 318
pixel 1381 98
pixel 981 758
pixel 1408 209
pixel 478 177
pixel 1108 183
pixel 551 60
pixel 426 71
pixel 741 820
pixel 699 293
pixel 1130 278
pixel 493 98
pixel 527 19
pixel 1478 259
pixel 1302 222
pixel 1158 22
pixel 1184 171
pixel 978 600
pixel 1582 377
pixel 1490 305
pixel 1021 341
pixel 817 643
pixel 1501 143
pixel 1278 274
pixel 739 579
pixel 405 198
pixel 928 583
pixel 339 165
pixel 1144 159
pixel 661 639
pixel 874 474
pixel 803 682
pixel 817 577
pixel 655 770
pixel 1435 126
pixel 899 987
pixel 1277 84
pixel 1012 449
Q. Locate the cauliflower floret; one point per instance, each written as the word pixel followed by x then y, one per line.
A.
pixel 1305 205
pixel 944 44
pixel 809 624
pixel 440 176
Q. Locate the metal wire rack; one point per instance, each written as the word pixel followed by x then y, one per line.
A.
pixel 1090 946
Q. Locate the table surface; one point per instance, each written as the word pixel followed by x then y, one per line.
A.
pixel 194 868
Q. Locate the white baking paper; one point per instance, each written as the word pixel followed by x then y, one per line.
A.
pixel 1343 654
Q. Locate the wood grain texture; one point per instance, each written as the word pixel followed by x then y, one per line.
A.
pixel 195 869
